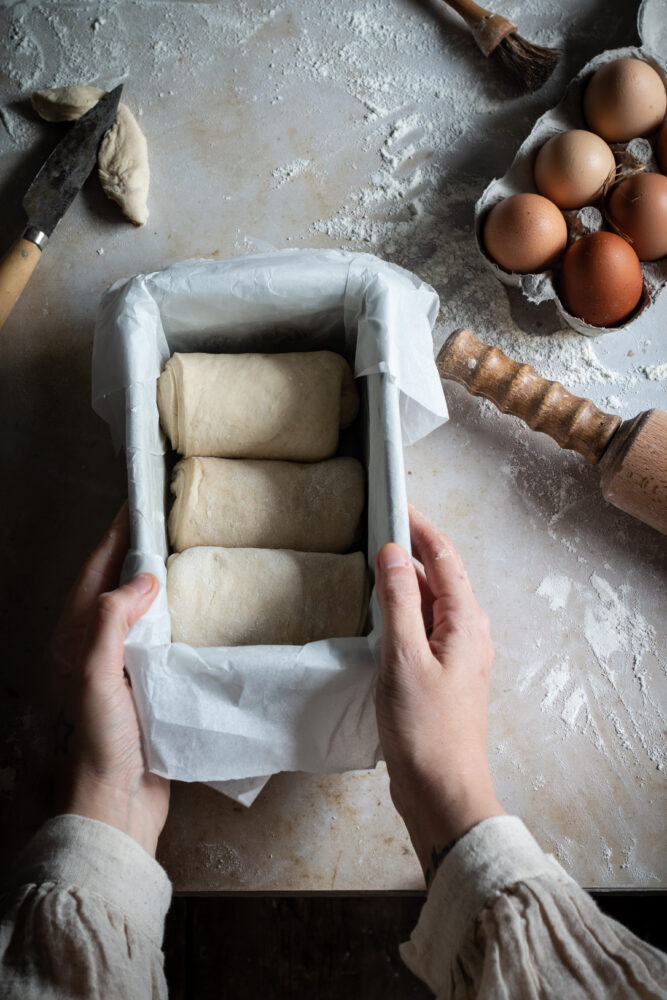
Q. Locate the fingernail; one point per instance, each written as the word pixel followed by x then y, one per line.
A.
pixel 143 583
pixel 391 556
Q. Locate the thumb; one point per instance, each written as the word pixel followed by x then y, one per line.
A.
pixel 399 596
pixel 116 612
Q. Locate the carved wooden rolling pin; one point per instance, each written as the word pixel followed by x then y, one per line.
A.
pixel 631 454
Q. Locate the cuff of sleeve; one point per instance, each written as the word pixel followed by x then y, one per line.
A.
pixel 77 851
pixel 494 855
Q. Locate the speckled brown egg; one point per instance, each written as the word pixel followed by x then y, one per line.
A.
pixel 661 148
pixel 601 279
pixel 638 209
pixel 625 99
pixel 525 233
pixel 571 168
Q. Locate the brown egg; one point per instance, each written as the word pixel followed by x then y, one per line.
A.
pixel 661 148
pixel 601 279
pixel 638 209
pixel 625 99
pixel 572 167
pixel 525 233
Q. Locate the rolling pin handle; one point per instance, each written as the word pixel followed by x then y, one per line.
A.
pixel 575 423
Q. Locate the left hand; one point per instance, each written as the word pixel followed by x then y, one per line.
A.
pixel 433 692
pixel 102 771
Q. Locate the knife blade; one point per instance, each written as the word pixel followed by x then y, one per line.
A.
pixel 51 193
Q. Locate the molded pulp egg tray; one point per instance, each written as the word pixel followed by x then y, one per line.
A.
pixel 568 114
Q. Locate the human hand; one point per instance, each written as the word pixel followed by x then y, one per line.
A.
pixel 102 772
pixel 433 692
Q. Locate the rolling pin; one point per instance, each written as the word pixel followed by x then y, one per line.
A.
pixel 631 454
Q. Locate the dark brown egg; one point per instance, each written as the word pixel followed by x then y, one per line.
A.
pixel 638 209
pixel 601 279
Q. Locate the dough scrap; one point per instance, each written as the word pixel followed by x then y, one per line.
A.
pixel 239 597
pixel 279 406
pixel 122 160
pixel 247 503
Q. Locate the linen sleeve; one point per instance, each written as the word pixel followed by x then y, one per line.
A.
pixel 82 915
pixel 504 920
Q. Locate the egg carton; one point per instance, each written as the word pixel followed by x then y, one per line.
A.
pixel 568 114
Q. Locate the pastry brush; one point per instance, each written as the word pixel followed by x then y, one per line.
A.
pixel 530 65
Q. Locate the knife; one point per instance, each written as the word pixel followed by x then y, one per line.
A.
pixel 51 194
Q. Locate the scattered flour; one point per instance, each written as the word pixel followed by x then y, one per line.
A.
pixel 415 210
pixel 655 372
pixel 289 171
pixel 556 590
pixel 555 683
pixel 574 704
pixel 614 626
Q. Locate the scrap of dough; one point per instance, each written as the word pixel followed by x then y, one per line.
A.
pixel 65 104
pixel 122 160
pixel 285 406
pixel 241 597
pixel 244 503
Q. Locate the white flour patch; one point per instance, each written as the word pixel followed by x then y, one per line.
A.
pixel 289 171
pixel 572 707
pixel 614 626
pixel 555 683
pixel 555 590
pixel 655 372
pixel 620 639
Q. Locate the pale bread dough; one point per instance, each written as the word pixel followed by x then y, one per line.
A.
pixel 239 597
pixel 312 507
pixel 285 406
pixel 122 160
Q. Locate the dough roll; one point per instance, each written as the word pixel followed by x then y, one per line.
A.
pixel 240 597
pixel 311 507
pixel 288 406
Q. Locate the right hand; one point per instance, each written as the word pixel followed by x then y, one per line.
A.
pixel 433 692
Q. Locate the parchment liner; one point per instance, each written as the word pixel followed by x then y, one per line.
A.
pixel 232 716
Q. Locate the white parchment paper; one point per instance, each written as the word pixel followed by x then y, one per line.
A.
pixel 233 716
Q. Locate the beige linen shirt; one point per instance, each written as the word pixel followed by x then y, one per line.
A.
pixel 83 916
pixel 504 921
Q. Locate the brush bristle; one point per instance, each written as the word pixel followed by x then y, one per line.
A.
pixel 530 65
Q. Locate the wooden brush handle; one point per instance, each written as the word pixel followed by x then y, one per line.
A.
pixel 488 29
pixel 545 406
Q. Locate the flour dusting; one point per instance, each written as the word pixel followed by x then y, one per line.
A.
pixel 398 175
pixel 555 590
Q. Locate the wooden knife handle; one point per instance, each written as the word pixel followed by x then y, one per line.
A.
pixel 15 268
pixel 545 406
pixel 488 29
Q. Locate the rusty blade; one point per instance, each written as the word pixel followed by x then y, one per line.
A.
pixel 62 176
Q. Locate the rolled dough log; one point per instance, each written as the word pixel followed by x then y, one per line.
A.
pixel 122 159
pixel 288 406
pixel 241 597
pixel 311 507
